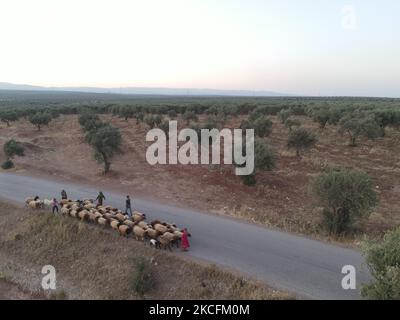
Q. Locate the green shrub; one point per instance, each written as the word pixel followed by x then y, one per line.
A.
pixel 8 164
pixel 383 260
pixel 345 195
pixel 142 280
pixel 13 148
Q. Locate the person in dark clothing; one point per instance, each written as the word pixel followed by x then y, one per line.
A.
pixel 54 204
pixel 128 206
pixel 64 195
pixel 100 198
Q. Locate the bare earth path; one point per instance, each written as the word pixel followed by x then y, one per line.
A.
pixel 307 268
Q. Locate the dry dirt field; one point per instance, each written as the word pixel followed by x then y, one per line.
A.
pixel 280 199
pixel 96 263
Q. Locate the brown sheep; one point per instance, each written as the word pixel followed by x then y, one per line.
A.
pixel 120 217
pixel 129 223
pixel 64 201
pixel 34 205
pixel 153 234
pixel 115 224
pixel 84 215
pixel 164 243
pixel 28 200
pixel 142 224
pixel 103 222
pixel 137 216
pixel 124 230
pixel 139 233
pixel 65 211
pixel 93 216
pixel 108 216
pixel 73 214
pixel 160 228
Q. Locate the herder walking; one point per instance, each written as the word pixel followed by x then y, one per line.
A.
pixel 54 205
pixel 128 206
pixel 100 198
pixel 184 240
pixel 64 195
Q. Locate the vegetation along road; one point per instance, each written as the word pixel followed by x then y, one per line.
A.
pixel 308 268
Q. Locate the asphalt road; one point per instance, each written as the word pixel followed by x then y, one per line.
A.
pixel 308 268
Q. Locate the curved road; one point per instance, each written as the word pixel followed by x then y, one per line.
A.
pixel 310 269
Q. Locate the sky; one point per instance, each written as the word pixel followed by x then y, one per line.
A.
pixel 304 47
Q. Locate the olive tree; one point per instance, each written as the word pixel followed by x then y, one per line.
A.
pixel 290 123
pixel 357 124
pixel 189 116
pixel 301 139
pixel 126 112
pixel 40 119
pixel 106 142
pixel 345 195
pixel 265 158
pixel 321 116
pixel 383 260
pixel 285 114
pixel 8 116
pixel 262 127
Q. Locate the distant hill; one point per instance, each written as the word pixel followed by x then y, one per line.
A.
pixel 145 91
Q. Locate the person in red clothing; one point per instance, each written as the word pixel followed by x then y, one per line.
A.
pixel 184 240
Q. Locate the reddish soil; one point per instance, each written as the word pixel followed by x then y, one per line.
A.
pixel 281 198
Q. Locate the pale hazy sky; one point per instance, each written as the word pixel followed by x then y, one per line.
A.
pixel 309 47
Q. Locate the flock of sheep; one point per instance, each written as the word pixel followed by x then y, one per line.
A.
pixel 159 234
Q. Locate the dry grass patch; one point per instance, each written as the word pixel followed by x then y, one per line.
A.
pixel 96 263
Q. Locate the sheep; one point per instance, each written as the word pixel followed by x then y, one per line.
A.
pixel 88 206
pixel 152 234
pixel 161 228
pixel 172 238
pixel 154 243
pixel 120 217
pixel 137 216
pixel 34 205
pixel 94 216
pixel 102 210
pixel 46 203
pixel 108 215
pixel 164 243
pixel 139 233
pixel 73 213
pixel 65 201
pixel 124 230
pixel 65 211
pixel 142 224
pixel 83 215
pixel 115 224
pixel 103 222
pixel 129 223
pixel 28 200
